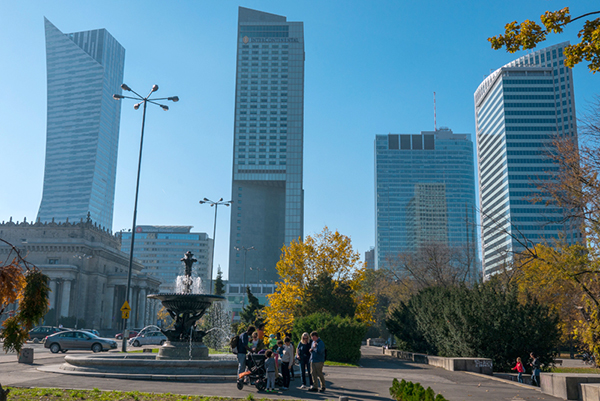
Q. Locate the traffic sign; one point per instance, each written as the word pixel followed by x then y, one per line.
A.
pixel 125 307
pixel 125 314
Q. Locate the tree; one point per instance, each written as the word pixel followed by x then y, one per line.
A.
pixel 528 34
pixel 323 295
pixel 219 285
pixel 23 283
pixel 251 312
pixel 301 262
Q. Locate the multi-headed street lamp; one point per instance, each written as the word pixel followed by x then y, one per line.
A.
pixel 245 254
pixel 144 101
pixel 216 205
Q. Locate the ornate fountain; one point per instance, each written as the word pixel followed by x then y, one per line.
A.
pixel 184 341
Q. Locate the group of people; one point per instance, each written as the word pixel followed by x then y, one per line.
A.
pixel 280 355
pixel 535 370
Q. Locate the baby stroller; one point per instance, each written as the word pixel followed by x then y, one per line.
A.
pixel 256 373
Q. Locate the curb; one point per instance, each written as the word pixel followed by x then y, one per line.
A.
pixel 506 381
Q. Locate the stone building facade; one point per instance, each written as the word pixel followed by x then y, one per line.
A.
pixel 88 272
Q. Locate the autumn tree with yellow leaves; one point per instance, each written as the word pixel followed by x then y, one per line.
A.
pixel 24 284
pixel 327 255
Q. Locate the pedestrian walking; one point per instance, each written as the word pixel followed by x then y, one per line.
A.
pixel 535 370
pixel 243 349
pixel 520 369
pixel 317 360
pixel 303 355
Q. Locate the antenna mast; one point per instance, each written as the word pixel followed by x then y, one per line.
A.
pixel 434 114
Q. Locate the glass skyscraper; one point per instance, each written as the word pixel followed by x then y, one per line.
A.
pixel 425 193
pixel 520 109
pixel 84 70
pixel 268 144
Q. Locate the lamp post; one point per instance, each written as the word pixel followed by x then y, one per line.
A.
pixel 245 254
pixel 216 205
pixel 145 101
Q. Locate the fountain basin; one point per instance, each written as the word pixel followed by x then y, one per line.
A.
pixel 141 366
pixel 186 303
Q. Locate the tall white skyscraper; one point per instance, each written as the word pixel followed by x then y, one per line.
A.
pixel 268 209
pixel 84 70
pixel 520 109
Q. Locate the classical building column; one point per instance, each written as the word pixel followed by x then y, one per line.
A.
pixel 109 300
pixel 53 294
pixel 65 298
pixel 141 321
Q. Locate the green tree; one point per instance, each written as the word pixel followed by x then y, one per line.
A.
pixel 23 283
pixel 323 295
pixel 528 34
pixel 219 285
pixel 251 312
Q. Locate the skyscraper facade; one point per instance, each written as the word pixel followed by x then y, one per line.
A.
pixel 160 249
pixel 268 143
pixel 520 109
pixel 425 193
pixel 84 70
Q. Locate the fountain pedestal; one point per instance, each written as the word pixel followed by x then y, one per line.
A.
pixel 177 350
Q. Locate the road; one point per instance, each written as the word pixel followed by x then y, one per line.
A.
pixel 369 382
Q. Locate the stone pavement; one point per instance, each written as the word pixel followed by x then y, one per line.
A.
pixel 370 382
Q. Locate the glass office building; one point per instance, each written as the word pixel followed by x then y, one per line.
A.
pixel 520 109
pixel 425 193
pixel 84 70
pixel 268 209
pixel 160 249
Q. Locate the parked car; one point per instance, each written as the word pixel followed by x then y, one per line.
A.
pixel 148 338
pixel 132 333
pixel 78 339
pixel 41 332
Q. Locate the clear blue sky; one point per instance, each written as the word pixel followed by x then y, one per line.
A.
pixel 371 68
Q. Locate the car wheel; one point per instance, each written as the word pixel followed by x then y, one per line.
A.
pixel 162 342
pixel 136 343
pixel 119 337
pixel 54 348
pixel 97 347
pixel 36 340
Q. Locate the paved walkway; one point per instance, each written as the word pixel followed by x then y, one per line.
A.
pixel 370 382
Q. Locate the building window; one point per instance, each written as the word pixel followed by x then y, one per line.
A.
pixel 53 261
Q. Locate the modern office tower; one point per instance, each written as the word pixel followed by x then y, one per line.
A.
pixel 84 70
pixel 268 209
pixel 520 109
pixel 425 194
pixel 160 249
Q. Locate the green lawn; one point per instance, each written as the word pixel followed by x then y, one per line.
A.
pixel 53 394
pixel 331 363
pixel 576 370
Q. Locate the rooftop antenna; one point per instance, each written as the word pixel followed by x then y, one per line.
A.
pixel 434 114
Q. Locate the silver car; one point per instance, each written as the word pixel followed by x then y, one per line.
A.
pixel 148 338
pixel 78 339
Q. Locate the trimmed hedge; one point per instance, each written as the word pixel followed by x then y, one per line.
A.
pixel 342 335
pixel 409 391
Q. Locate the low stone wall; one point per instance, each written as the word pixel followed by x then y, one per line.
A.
pixel 571 386
pixel 477 365
pixel 514 377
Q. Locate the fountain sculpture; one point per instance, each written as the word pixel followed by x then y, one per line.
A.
pixel 184 341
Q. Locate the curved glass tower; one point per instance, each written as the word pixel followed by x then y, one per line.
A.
pixel 84 70
pixel 520 109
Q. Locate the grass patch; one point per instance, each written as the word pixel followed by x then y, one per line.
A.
pixel 54 394
pixel 332 363
pixel 575 370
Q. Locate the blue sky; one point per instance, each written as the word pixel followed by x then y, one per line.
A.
pixel 371 68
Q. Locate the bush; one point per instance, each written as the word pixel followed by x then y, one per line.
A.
pixel 342 335
pixel 409 391
pixel 486 321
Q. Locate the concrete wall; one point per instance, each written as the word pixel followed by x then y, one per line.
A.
pixel 569 386
pixel 477 365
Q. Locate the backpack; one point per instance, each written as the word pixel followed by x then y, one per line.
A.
pixel 233 343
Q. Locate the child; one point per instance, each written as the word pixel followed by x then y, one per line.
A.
pixel 273 342
pixel 270 366
pixel 519 369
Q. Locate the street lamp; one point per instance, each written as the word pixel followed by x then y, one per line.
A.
pixel 245 254
pixel 216 205
pixel 145 101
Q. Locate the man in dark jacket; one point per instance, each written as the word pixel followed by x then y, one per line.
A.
pixel 317 360
pixel 243 349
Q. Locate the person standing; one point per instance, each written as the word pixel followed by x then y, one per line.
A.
pixel 535 370
pixel 317 360
pixel 287 360
pixel 519 368
pixel 243 349
pixel 303 355
pixel 271 367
